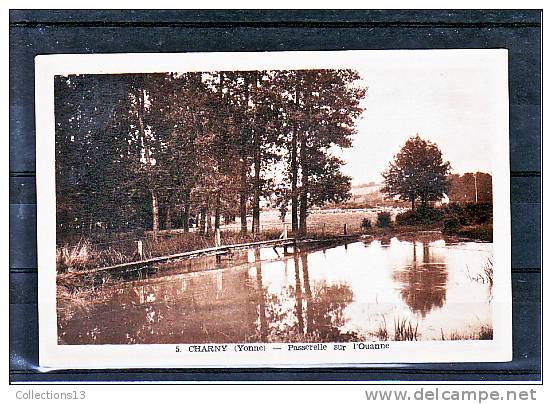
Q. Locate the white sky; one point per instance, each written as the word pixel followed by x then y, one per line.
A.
pixel 450 98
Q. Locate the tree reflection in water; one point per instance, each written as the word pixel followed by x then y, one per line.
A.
pixel 301 297
pixel 201 307
pixel 303 312
pixel 424 284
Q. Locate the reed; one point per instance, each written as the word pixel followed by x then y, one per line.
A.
pixel 381 332
pixel 486 276
pixel 488 271
pixel 405 330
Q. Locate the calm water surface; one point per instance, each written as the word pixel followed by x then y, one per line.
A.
pixel 344 293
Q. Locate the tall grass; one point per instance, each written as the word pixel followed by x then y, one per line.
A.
pixel 75 257
pixel 486 276
pixel 405 331
pixel 488 272
pixel 86 255
pixel 381 332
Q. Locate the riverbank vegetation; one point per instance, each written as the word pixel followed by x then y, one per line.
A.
pixel 485 332
pixel 469 221
pixel 406 330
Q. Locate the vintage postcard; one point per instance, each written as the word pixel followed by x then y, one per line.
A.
pixel 271 209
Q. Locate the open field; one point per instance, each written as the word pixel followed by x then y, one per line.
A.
pixel 330 221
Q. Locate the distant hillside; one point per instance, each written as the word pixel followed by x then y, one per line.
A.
pixel 367 195
pixel 463 189
pixel 365 189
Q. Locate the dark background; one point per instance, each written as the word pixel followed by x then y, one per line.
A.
pixel 36 32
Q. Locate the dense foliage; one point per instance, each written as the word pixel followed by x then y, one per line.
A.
pixel 417 172
pixel 383 220
pixel 155 151
pixel 453 215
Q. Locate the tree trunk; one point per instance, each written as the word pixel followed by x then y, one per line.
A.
pixel 294 174
pixel 217 210
pixel 208 213
pixel 294 202
pixel 186 213
pixel 303 212
pixel 303 207
pixel 257 189
pixel 202 218
pixel 243 196
pixel 412 202
pixel 168 220
pixel 155 214
pixel 256 164
pixel 145 145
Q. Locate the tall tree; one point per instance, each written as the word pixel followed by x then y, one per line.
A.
pixel 266 127
pixel 330 103
pixel 213 143
pixel 417 172
pixel 92 144
pixel 148 139
pixel 465 188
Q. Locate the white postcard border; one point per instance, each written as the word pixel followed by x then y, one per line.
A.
pixel 52 355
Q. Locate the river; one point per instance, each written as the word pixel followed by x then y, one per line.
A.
pixel 361 291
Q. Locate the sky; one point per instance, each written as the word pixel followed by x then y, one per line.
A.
pixel 450 98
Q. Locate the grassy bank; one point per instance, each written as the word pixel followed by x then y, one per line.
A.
pixel 88 255
pixel 472 221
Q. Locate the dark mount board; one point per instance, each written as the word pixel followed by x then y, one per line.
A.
pixel 35 32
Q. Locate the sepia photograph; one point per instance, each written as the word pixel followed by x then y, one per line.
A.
pixel 277 203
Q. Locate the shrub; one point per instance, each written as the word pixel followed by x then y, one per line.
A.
pixel 407 218
pixel 483 232
pixel 470 213
pixel 478 213
pixel 451 224
pixel 366 224
pixel 453 215
pixel 384 219
pixel 420 216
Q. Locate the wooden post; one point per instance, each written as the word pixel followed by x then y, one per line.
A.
pixel 217 238
pixel 475 178
pixel 324 229
pixel 218 243
pixel 140 250
pixel 344 229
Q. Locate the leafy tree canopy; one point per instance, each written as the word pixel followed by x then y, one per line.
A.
pixel 417 172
